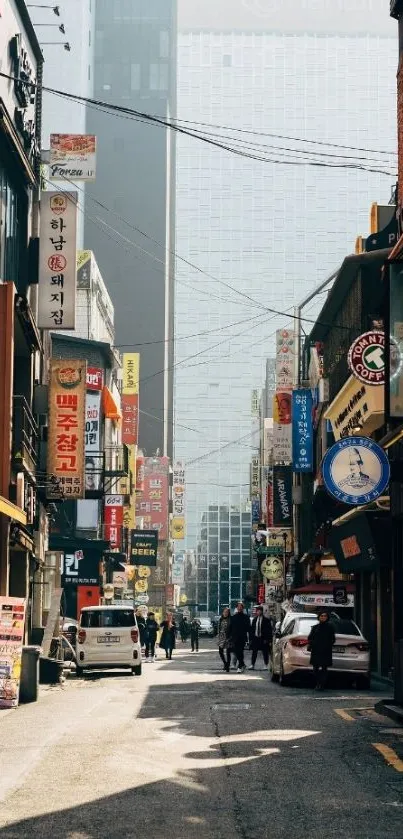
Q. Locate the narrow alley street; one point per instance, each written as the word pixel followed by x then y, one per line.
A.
pixel 187 751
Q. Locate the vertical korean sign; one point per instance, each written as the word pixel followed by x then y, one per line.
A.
pixel 12 619
pixel 130 398
pixel 302 431
pixel 57 261
pixel 153 506
pixel 178 506
pixel 282 429
pixel 113 520
pixel 67 407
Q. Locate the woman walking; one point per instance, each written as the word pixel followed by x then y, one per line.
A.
pixel 321 640
pixel 168 636
pixel 224 638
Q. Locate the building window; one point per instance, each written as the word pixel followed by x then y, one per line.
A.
pixel 227 61
pixel 159 76
pixel 13 227
pixel 135 77
pixel 164 44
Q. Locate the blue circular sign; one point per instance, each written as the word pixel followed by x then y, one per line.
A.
pixel 356 470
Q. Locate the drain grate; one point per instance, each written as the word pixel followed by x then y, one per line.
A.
pixel 232 706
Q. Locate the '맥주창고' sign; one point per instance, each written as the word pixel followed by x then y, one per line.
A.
pixel 366 357
pixel 355 470
pixel 67 410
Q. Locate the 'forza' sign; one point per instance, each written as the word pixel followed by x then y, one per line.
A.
pixel 366 358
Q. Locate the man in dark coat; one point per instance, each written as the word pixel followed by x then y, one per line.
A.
pixel 141 623
pixel 321 640
pixel 261 637
pixel 151 635
pixel 240 629
pixel 194 634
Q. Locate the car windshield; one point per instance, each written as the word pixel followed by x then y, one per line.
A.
pixel 102 618
pixel 345 627
pixel 305 625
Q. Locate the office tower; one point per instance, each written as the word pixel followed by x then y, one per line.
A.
pixel 135 67
pixel 265 233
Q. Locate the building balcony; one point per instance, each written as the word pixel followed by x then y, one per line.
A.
pixel 105 470
pixel 25 437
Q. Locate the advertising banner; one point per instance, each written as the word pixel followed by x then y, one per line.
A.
pixel 95 378
pixel 57 261
pixel 356 470
pixel 113 520
pixel 12 621
pixel 130 398
pixel 178 569
pixel 93 422
pixel 72 156
pixel 255 476
pixel 282 496
pixel 153 507
pixel 269 502
pixel 178 501
pixel 81 568
pixel 285 359
pixel 282 428
pixel 355 404
pixel 302 431
pixel 144 547
pixel 67 402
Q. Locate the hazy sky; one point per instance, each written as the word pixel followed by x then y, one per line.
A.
pixel 341 16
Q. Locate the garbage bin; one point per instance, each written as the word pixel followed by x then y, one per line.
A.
pixel 29 674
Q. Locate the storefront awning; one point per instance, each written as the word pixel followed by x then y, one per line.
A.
pixel 7 508
pixel 110 407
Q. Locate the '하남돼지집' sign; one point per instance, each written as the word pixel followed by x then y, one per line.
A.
pixel 356 470
pixel 57 261
pixel 366 357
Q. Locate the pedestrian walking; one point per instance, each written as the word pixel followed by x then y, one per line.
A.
pixel 261 637
pixel 184 630
pixel 224 638
pixel 152 628
pixel 240 629
pixel 194 634
pixel 141 623
pixel 168 636
pixel 320 643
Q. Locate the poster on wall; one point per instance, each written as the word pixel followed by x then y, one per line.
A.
pixel 57 261
pixel 12 621
pixel 67 404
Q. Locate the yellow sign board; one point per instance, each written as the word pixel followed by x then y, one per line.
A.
pixel 131 373
pixel 178 527
pixel 356 404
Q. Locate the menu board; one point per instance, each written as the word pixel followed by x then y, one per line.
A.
pixel 12 620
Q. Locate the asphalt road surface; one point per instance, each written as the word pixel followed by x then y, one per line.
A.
pixel 188 752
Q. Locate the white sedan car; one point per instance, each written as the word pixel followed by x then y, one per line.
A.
pixel 291 657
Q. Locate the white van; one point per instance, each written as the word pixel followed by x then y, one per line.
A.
pixel 107 637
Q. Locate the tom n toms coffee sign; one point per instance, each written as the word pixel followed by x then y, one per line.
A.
pixel 366 358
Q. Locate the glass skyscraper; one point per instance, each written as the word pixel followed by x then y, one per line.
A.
pixel 263 234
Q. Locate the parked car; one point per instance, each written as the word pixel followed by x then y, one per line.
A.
pixel 108 637
pixel 290 655
pixel 206 627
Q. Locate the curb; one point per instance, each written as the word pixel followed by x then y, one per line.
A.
pixel 388 709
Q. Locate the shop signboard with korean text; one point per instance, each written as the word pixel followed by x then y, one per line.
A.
pixel 12 621
pixel 178 501
pixel 282 496
pixel 285 359
pixel 282 428
pixel 66 433
pixel 95 378
pixel 113 520
pixel 302 431
pixel 255 476
pixel 317 600
pixel 57 261
pixel 130 398
pixel 81 568
pixel 356 471
pixel 178 569
pixel 72 156
pixel 153 506
pixel 144 547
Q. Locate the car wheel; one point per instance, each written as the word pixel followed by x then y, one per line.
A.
pixel 79 671
pixel 283 679
pixel 364 683
pixel 136 671
pixel 273 676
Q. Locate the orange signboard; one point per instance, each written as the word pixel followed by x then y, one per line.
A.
pixel 67 404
